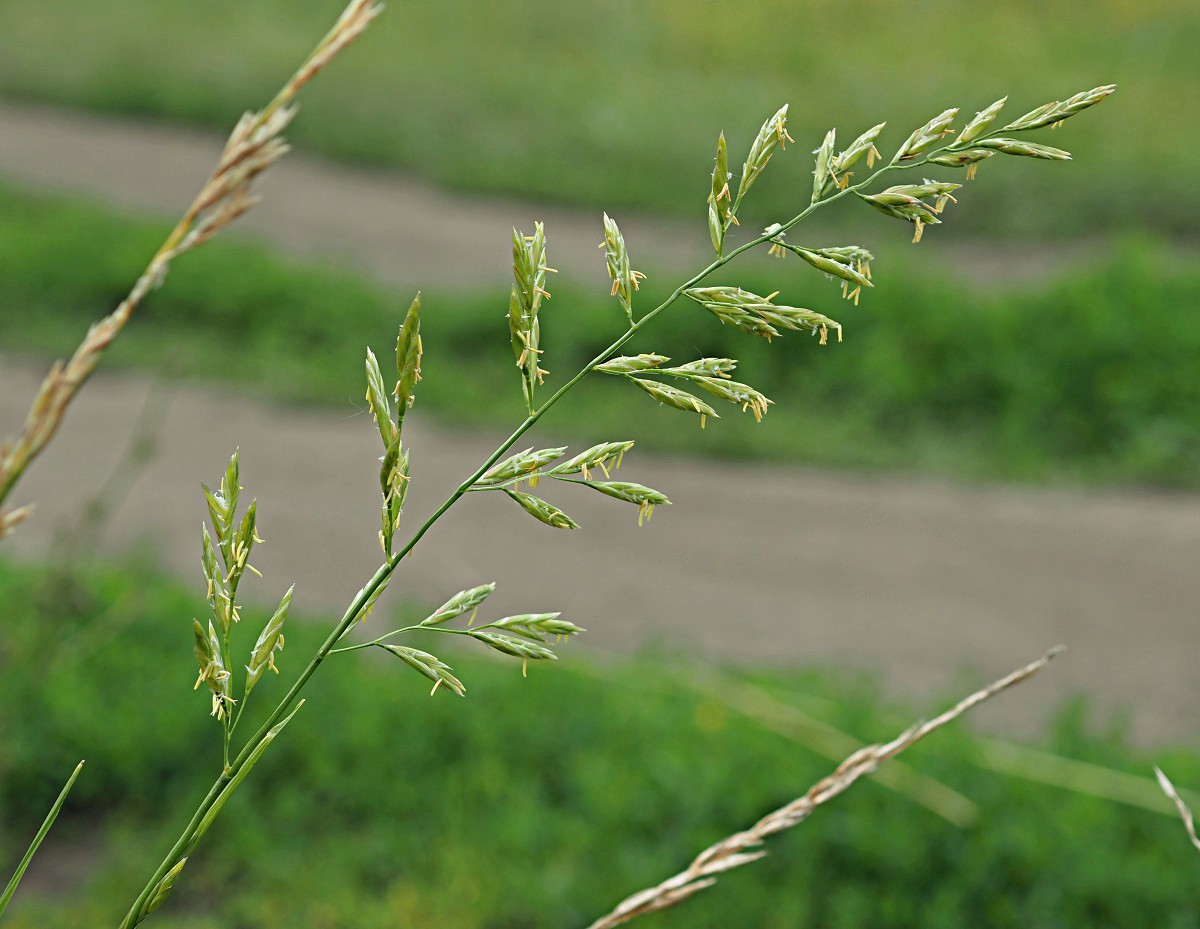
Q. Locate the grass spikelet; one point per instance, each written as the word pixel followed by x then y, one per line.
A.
pixel 927 136
pixel 542 511
pixel 1185 813
pixel 772 134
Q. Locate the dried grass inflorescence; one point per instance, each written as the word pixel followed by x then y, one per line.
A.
pixel 744 847
pixel 255 144
pixel 1185 812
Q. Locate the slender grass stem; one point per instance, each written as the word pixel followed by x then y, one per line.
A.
pixel 37 839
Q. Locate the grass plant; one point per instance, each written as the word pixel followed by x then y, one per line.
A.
pixel 228 549
pixel 252 148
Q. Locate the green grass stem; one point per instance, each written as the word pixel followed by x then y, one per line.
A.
pixel 37 840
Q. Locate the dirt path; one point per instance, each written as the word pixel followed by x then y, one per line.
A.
pixel 914 579
pixel 402 231
pixel 752 564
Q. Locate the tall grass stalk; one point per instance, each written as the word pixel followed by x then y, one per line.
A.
pixel 255 144
pixel 918 204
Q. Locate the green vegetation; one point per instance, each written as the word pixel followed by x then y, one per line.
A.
pixel 601 104
pixel 534 802
pixel 1087 378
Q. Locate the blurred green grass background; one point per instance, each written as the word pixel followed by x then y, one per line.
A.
pixel 538 802
pixel 1088 377
pixel 1082 376
pixel 618 104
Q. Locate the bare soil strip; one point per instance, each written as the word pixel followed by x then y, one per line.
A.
pixel 915 579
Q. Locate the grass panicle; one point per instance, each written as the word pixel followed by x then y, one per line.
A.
pixel 734 306
pixel 255 145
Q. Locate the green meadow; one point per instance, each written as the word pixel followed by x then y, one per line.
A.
pixel 532 802
pixel 1085 378
pixel 618 104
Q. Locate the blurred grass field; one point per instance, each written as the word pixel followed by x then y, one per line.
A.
pixel 618 104
pixel 530 803
pixel 1084 378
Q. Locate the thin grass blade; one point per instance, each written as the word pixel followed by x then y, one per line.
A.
pixel 37 839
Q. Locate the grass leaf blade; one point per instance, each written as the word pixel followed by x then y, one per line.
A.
pixel 37 839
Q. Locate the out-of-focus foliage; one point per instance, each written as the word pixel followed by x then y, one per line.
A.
pixel 619 103
pixel 1086 377
pixel 531 803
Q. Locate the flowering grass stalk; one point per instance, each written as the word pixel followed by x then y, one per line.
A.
pixel 254 146
pixel 919 204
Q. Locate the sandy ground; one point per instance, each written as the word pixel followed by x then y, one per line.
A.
pixel 780 565
pixel 915 580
